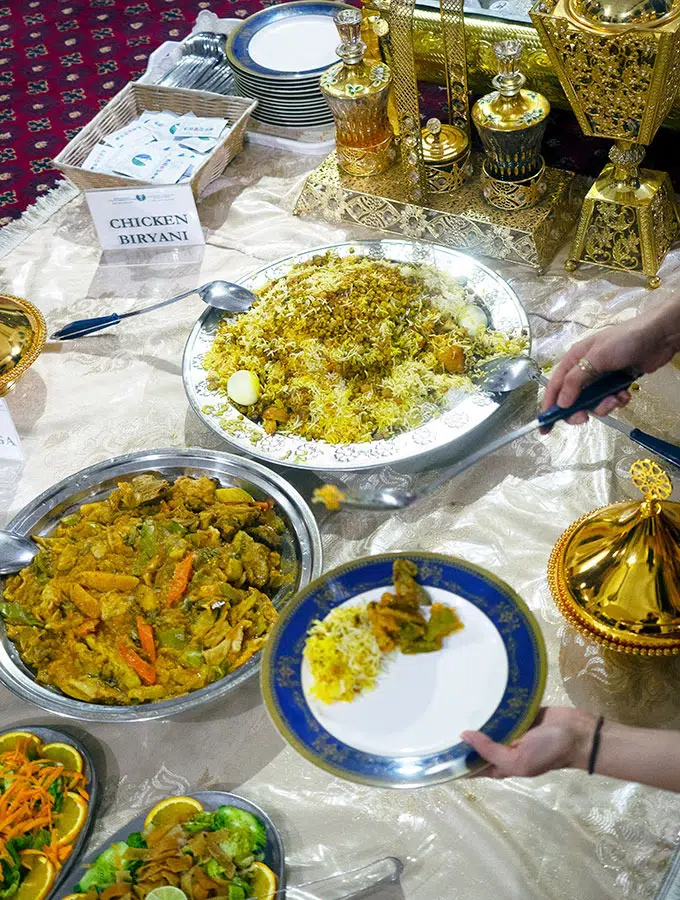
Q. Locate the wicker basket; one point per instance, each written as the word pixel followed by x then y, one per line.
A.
pixel 136 98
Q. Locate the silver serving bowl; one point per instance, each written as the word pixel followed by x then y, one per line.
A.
pixel 464 411
pixel 42 515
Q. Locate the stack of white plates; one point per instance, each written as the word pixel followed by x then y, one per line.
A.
pixel 278 56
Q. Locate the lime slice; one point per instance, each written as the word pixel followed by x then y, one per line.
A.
pixel 167 892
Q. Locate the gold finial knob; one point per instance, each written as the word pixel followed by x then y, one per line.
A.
pixel 380 26
pixel 651 480
pixel 434 126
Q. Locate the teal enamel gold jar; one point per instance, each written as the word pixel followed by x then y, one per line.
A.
pixel 511 124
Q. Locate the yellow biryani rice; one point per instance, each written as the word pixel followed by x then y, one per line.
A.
pixel 343 655
pixel 352 349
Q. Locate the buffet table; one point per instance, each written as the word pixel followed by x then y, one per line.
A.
pixel 559 837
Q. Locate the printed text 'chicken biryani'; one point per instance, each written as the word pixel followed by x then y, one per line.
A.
pixel 349 349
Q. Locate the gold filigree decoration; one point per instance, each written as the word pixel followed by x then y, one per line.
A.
pixel 613 238
pixel 651 480
pixel 511 195
pixel 596 66
pixel 460 219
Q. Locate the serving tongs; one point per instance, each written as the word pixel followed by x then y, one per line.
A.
pixel 347 885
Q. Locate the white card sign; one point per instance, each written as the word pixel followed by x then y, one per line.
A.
pixel 155 217
pixel 10 445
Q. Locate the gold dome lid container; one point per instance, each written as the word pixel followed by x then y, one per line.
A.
pixel 615 573
pixel 443 144
pixel 22 337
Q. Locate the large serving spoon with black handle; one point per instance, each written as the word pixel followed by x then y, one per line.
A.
pixel 505 374
pixel 391 498
pixel 219 294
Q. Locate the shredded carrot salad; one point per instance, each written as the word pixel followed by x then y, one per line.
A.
pixel 31 795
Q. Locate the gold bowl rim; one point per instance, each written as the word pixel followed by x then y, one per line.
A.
pixel 572 13
pixel 37 323
pixel 642 645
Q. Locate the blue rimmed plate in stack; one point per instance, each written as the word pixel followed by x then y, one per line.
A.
pixel 277 57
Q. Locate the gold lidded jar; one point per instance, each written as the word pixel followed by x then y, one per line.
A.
pixel 446 152
pixel 615 573
pixel 357 92
pixel 511 123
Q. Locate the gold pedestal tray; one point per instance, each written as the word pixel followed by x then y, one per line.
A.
pixel 629 230
pixel 22 337
pixel 462 219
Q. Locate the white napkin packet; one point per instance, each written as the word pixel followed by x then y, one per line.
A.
pixel 196 126
pixel 158 147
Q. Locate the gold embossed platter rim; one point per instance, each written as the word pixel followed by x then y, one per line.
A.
pixel 643 645
pixel 466 410
pixel 39 329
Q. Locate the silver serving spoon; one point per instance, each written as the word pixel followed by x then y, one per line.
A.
pixel 16 552
pixel 219 294
pixel 505 374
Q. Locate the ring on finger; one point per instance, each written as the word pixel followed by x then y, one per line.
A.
pixel 587 368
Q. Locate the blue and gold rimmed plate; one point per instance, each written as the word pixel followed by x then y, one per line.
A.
pixel 287 42
pixel 406 732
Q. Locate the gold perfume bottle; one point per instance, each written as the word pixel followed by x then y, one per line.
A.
pixel 511 123
pixel 357 92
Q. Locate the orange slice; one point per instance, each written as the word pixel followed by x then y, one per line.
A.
pixel 10 740
pixel 65 754
pixel 36 885
pixel 263 882
pixel 69 822
pixel 172 811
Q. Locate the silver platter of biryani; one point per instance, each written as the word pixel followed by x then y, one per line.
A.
pixel 355 355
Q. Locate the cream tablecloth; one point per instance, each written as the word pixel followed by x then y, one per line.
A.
pixel 560 837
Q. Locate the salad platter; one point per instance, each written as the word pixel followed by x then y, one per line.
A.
pixel 462 411
pixel 203 842
pixel 396 721
pixel 62 505
pixel 74 810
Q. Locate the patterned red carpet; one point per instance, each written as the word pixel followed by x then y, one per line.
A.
pixel 60 61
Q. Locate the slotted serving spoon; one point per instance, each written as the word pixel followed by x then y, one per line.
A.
pixel 391 498
pixel 505 374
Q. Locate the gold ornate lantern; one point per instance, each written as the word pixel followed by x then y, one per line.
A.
pixel 615 573
pixel 22 337
pixel 619 65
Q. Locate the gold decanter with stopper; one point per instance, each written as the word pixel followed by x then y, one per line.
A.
pixel 511 123
pixel 357 93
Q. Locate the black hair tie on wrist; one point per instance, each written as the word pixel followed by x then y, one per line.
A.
pixel 595 746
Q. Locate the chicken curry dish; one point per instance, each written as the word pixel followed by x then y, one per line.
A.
pixel 158 590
